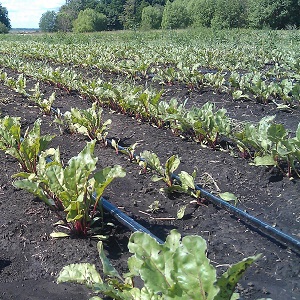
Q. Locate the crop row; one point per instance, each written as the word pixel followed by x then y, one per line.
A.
pixel 270 75
pixel 216 50
pixel 269 143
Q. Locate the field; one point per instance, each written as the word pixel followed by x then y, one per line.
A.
pixel 203 96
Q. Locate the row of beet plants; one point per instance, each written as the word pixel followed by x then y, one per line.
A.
pixel 76 189
pixel 262 86
pixel 90 123
pixel 268 143
pixel 276 82
pixel 207 51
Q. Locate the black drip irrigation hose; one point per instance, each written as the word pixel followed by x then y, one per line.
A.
pixel 126 220
pixel 263 227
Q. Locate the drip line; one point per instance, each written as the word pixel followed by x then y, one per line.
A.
pixel 258 224
pixel 263 227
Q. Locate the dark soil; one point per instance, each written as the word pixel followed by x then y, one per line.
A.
pixel 30 259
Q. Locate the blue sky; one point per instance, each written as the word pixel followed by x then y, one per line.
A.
pixel 27 13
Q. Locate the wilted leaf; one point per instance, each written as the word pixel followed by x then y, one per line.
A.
pixel 181 212
pixel 59 235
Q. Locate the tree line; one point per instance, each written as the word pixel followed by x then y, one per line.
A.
pixel 97 15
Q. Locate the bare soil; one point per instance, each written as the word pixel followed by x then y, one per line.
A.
pixel 30 259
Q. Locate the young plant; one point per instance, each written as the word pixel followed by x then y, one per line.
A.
pixel 88 122
pixel 154 207
pixel 44 104
pixel 210 124
pixel 115 145
pixel 74 187
pixel 165 174
pixel 270 144
pixel 20 85
pixel 25 149
pixel 129 151
pixel 177 269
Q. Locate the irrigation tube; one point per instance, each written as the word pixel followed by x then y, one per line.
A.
pixel 126 220
pixel 263 227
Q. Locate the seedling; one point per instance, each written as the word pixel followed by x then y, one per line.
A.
pixel 44 104
pixel 88 122
pixel 165 174
pixel 25 149
pixel 154 207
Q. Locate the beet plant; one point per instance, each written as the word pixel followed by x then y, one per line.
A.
pixel 270 144
pixel 76 188
pixel 20 85
pixel 177 269
pixel 44 104
pixel 88 122
pixel 24 148
pixel 151 160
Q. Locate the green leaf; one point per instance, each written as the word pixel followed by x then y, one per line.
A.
pixel 298 133
pixel 192 271
pixel 276 132
pixel 266 160
pixel 80 167
pixel 172 164
pixel 108 269
pixel 105 176
pixel 33 188
pixel 100 237
pixel 228 281
pixel 229 197
pixel 152 261
pixel 181 212
pixel 55 176
pixel 83 273
pixel 187 180
pixel 156 178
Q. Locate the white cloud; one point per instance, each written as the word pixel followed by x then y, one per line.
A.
pixel 27 13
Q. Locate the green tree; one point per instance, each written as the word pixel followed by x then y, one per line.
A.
pixel 175 15
pixel 201 12
pixel 275 14
pixel 128 17
pixel 229 14
pixel 64 20
pixel 69 12
pixel 4 17
pixel 48 21
pixel 90 20
pixel 139 10
pixel 113 9
pixel 152 17
pixel 3 28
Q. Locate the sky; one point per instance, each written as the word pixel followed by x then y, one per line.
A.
pixel 27 13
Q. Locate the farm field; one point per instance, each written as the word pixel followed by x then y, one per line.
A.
pixel 203 96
